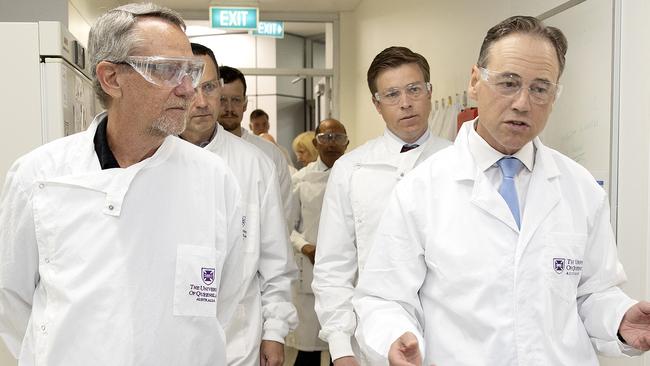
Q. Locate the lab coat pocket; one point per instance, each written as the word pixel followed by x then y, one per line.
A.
pixel 563 261
pixel 196 284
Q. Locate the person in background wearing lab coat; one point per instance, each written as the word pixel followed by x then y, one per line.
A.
pixel 499 250
pixel 233 105
pixel 265 315
pixel 356 193
pixel 104 257
pixel 309 184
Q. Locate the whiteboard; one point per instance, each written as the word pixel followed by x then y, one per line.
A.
pixel 580 124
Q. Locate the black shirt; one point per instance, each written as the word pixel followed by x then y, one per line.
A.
pixel 104 154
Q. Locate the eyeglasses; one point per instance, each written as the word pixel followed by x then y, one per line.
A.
pixel 210 88
pixel 509 85
pixel 235 101
pixel 331 137
pixel 166 71
pixel 414 91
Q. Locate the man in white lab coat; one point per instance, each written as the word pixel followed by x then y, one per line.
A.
pixel 104 257
pixel 233 106
pixel 265 315
pixel 498 250
pixel 359 183
pixel 309 184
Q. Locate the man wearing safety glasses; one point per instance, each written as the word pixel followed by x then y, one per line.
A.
pixel 499 250
pixel 308 188
pixel 360 181
pixel 265 314
pixel 105 258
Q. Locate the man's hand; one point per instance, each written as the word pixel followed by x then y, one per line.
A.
pixel 635 326
pixel 346 361
pixel 405 351
pixel 309 250
pixel 271 353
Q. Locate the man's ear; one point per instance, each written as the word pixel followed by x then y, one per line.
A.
pixel 107 76
pixel 472 88
pixel 315 143
pixel 376 103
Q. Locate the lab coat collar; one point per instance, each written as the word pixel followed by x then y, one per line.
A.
pixel 531 155
pixel 88 174
pixel 394 143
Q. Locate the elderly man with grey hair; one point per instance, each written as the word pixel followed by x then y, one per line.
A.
pixel 105 259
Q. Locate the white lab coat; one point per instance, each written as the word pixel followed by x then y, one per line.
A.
pixel 359 184
pixel 118 266
pixel 308 191
pixel 266 311
pixel 284 177
pixel 451 266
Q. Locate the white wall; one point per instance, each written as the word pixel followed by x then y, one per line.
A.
pixel 448 33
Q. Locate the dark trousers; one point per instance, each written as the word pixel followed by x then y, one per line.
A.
pixel 308 359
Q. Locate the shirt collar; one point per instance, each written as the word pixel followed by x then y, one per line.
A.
pixel 104 153
pixel 395 143
pixel 486 156
pixel 320 166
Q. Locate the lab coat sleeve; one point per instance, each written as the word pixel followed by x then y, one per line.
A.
pixel 276 269
pixel 335 271
pixel 285 191
pixel 18 261
pixel 232 276
pixel 386 299
pixel 297 238
pixel 601 303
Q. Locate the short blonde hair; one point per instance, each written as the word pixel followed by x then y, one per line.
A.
pixel 304 140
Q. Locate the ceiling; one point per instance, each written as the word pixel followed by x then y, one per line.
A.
pixel 198 9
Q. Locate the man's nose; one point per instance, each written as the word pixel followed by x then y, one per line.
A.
pixel 185 88
pixel 521 100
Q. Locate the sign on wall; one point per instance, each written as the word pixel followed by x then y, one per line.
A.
pixel 234 18
pixel 273 29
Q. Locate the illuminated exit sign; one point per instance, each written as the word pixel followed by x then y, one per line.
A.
pixel 233 18
pixel 270 29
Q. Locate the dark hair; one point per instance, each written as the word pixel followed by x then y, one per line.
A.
pixel 526 25
pixel 230 74
pixel 258 113
pixel 393 57
pixel 201 50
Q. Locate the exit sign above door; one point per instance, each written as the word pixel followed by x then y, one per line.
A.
pixel 234 18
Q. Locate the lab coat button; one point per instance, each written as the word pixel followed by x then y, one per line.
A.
pixel 110 207
pixel 401 175
pixel 41 186
pixel 47 260
pixel 43 328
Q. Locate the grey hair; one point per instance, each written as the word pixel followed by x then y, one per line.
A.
pixel 112 37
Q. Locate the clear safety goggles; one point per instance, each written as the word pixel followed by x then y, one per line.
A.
pixel 167 71
pixel 413 91
pixel 209 88
pixel 509 84
pixel 326 138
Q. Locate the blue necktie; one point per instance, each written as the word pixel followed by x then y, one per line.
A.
pixel 510 166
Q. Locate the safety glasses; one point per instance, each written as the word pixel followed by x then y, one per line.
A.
pixel 167 71
pixel 210 88
pixel 325 138
pixel 509 84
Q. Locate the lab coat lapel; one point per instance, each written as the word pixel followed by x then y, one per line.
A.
pixel 542 195
pixel 484 195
